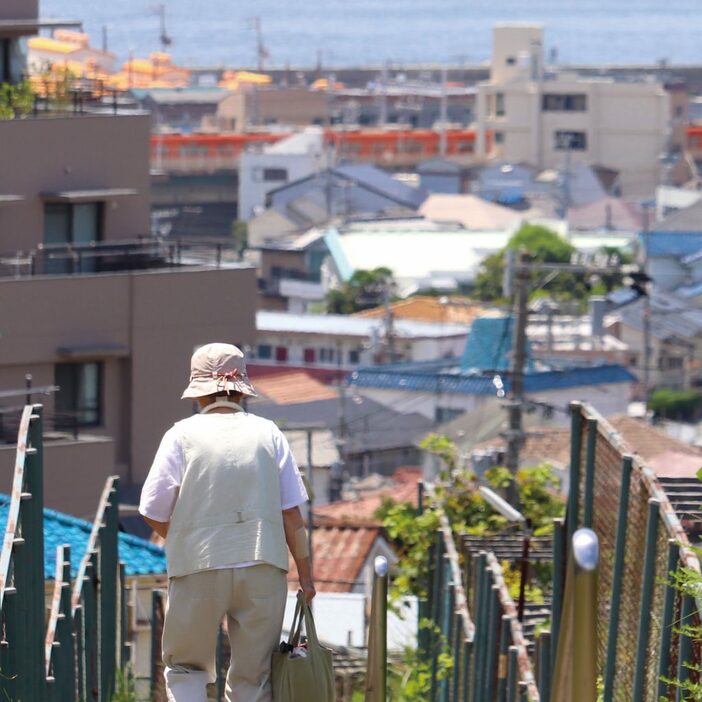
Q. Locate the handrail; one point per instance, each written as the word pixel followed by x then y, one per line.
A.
pixel 519 642
pixel 460 598
pixel 15 501
pixel 92 545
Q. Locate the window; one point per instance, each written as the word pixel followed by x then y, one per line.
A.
pixel 281 354
pixel 354 357
pixel 309 355
pixel 511 61
pixel 446 414
pixel 500 104
pixel 79 400
pixel 264 351
pixel 565 140
pixel 327 355
pixel 275 175
pixel 499 137
pixel 72 223
pixel 5 74
pixel 564 102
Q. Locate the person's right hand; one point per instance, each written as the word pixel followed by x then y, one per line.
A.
pixel 307 586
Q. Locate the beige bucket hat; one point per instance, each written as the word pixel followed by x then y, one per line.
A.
pixel 217 368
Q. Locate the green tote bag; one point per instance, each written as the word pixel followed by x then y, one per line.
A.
pixel 303 679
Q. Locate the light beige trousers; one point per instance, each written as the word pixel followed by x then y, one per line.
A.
pixel 253 600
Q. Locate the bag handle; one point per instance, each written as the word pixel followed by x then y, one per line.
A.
pixel 309 619
pixel 296 626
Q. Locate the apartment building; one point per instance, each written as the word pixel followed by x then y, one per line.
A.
pixel 100 315
pixel 554 118
pixel 329 346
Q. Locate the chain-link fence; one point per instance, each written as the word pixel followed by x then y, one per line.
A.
pixel 641 540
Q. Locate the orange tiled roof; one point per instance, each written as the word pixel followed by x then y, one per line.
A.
pixel 338 554
pixel 424 308
pixel 650 443
pixel 292 387
pixel 402 487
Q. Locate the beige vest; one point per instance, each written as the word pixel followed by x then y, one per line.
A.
pixel 228 509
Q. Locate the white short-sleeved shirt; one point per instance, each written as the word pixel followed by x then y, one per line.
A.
pixel 160 491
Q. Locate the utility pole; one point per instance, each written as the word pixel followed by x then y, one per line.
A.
pixel 443 118
pixel 389 319
pixel 646 313
pixel 515 430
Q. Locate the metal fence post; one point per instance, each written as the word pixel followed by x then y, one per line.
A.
pixel 482 592
pixel 574 480
pixel 376 678
pixel 687 609
pixel 667 623
pixel 493 629
pixel 557 584
pixel 505 634
pixel 617 573
pixel 590 455
pixel 108 564
pixel 575 674
pixel 544 665
pixel 649 574
pixel 513 674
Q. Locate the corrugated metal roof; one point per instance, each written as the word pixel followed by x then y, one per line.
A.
pixel 376 179
pixel 672 244
pixel 670 317
pixel 139 556
pixel 465 384
pixel 343 325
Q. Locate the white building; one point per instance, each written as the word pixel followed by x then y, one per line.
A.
pixel 260 172
pixel 552 118
pixel 329 345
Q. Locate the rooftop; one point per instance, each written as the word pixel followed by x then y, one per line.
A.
pixel 342 325
pixel 447 378
pixel 139 556
pixel 339 551
pixel 426 308
pixel 471 211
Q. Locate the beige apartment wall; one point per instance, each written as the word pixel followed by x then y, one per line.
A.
pixel 154 318
pixel 510 42
pixel 293 106
pixel 74 474
pixel 78 152
pixel 19 9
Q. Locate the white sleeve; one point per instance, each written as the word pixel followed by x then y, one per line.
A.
pixel 292 488
pixel 160 491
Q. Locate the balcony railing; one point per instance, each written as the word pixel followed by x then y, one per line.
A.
pixel 114 256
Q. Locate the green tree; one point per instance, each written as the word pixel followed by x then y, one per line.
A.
pixel 240 236
pixel 676 404
pixel 543 246
pixel 364 290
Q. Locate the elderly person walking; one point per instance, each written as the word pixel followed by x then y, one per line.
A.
pixel 224 491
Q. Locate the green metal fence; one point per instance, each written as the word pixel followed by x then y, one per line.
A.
pixel 490 660
pixel 75 655
pixel 641 542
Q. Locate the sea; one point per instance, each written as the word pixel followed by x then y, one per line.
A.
pixel 336 33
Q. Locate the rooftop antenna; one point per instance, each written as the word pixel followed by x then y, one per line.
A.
pixel 262 54
pixel 164 38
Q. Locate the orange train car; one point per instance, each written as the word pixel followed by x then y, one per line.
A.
pixel 369 144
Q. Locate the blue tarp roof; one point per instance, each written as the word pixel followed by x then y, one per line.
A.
pixel 139 556
pixel 673 244
pixel 489 344
pixel 448 381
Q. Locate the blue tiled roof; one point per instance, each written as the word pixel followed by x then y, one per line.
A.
pixel 449 381
pixel 675 244
pixel 382 182
pixel 489 344
pixel 139 556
